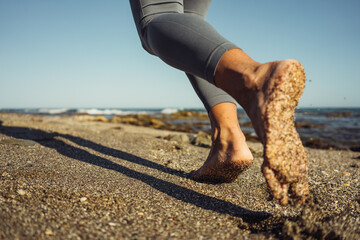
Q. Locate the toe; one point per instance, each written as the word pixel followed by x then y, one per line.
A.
pixel 279 190
pixel 284 196
pixel 273 183
pixel 300 191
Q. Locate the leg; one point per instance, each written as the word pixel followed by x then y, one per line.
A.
pixel 190 44
pixel 229 154
pixel 209 94
pixel 184 41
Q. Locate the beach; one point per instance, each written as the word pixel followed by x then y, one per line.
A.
pixel 70 177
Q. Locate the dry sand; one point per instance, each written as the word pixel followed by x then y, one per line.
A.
pixel 62 178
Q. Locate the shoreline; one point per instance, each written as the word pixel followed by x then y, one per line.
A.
pixel 320 128
pixel 65 177
pixel 192 122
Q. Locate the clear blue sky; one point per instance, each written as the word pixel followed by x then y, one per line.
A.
pixel 86 53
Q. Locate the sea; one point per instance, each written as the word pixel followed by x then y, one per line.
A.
pixel 337 128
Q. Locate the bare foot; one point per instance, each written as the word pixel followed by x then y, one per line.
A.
pixel 229 155
pixel 285 160
pixel 269 94
pixel 228 158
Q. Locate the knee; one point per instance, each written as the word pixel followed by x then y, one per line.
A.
pixel 162 35
pixel 143 40
pixel 146 47
pixel 153 35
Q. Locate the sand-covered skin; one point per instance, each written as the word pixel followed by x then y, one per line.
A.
pixel 285 162
pixel 65 178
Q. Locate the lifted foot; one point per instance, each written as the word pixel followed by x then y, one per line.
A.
pixel 285 160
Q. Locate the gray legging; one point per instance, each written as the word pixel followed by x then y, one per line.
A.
pixel 177 33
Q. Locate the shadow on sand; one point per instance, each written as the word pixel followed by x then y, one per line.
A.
pixel 183 194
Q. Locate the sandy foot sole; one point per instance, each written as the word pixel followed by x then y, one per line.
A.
pixel 223 173
pixel 285 160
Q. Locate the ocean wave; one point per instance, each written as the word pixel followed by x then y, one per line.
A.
pixel 169 110
pixel 96 111
pixel 54 111
pixel 114 112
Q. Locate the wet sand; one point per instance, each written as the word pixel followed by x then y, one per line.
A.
pixel 63 178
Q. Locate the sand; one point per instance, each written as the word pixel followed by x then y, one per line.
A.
pixel 63 178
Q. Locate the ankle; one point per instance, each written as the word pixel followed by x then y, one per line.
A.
pixel 228 136
pixel 237 66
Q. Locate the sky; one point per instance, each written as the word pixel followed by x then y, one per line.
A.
pixel 87 54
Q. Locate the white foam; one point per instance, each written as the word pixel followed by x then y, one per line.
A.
pixel 169 110
pixel 53 111
pixel 95 111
